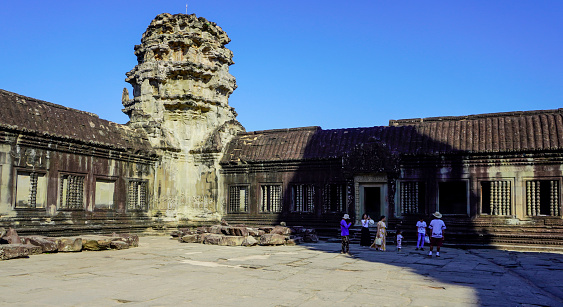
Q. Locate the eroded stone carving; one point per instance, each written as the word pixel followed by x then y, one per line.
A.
pixel 181 88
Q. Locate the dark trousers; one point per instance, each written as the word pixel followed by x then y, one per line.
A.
pixel 345 244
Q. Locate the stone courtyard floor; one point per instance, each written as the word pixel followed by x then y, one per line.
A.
pixel 164 272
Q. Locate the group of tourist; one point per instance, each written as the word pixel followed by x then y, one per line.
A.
pixel 436 237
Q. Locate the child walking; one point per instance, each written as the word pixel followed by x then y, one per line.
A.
pixel 399 240
pixel 345 233
pixel 421 229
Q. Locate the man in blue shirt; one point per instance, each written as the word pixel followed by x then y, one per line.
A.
pixel 345 225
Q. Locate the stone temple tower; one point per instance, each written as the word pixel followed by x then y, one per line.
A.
pixel 181 86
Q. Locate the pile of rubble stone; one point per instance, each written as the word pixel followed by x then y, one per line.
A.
pixel 242 235
pixel 14 246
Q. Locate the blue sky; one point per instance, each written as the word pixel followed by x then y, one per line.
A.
pixel 333 64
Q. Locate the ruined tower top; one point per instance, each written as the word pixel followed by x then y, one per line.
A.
pixel 183 69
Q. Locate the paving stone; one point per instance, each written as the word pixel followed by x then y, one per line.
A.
pixel 303 275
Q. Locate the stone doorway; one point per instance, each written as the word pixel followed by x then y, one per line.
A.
pixel 371 196
pixel 372 202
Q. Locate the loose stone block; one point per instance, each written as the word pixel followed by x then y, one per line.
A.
pixel 96 243
pixel 249 241
pixel 217 229
pixel 11 251
pixel 211 238
pixel 69 244
pixel 119 245
pixel 239 231
pixel 255 232
pixel 226 230
pixel 11 237
pixel 131 239
pixel 231 241
pixel 266 229
pixel 311 238
pixel 281 230
pixel 47 245
pixel 202 229
pixel 33 249
pixel 191 239
pixel 272 239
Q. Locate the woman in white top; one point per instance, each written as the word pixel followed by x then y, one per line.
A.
pixel 365 239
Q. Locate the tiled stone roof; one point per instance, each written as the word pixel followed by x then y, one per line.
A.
pixel 485 133
pixel 494 132
pixel 29 115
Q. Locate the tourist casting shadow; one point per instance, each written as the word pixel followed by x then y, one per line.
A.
pixel 381 235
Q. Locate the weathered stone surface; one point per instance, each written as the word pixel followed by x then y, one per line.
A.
pixel 2 232
pixel 33 249
pixel 132 240
pixel 281 230
pixel 226 230
pixel 291 242
pixel 119 245
pixel 191 238
pixel 181 89
pixel 11 251
pixel 272 239
pixel 178 233
pixel 249 241
pixel 202 229
pixel 255 232
pixel 311 238
pixel 231 241
pixel 309 231
pixel 216 229
pixel 266 229
pixel 239 231
pixel 96 243
pixel 11 237
pixel 211 238
pixel 47 245
pixel 69 244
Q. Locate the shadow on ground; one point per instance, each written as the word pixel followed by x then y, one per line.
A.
pixel 499 278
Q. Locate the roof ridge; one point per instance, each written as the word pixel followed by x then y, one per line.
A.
pixel 51 104
pixel 397 122
pixel 308 128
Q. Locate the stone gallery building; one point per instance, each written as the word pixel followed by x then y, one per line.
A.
pixel 184 160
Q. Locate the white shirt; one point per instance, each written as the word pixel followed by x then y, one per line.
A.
pixel 437 226
pixel 366 223
pixel 421 226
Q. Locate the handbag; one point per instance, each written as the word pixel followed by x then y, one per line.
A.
pixel 426 239
pixel 378 241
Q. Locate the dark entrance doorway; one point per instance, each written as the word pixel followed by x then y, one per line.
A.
pixel 372 202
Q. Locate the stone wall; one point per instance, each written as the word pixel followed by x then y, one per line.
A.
pixel 52 186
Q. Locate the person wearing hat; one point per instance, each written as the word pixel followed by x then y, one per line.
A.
pixel 437 228
pixel 345 225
